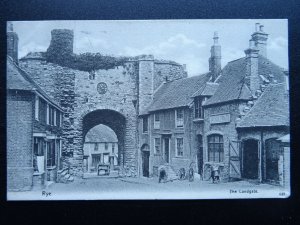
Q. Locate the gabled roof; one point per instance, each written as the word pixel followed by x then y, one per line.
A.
pixel 177 93
pixel 101 133
pixel 18 79
pixel 206 90
pixel 232 81
pixel 271 109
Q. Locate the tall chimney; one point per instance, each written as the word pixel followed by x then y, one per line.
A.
pixel 252 79
pixel 260 38
pixel 215 58
pixel 12 42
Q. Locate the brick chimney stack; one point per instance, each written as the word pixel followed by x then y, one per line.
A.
pixel 252 78
pixel 215 58
pixel 260 38
pixel 12 42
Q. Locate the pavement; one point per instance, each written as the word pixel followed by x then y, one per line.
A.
pixel 149 188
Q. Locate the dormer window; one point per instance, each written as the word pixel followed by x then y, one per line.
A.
pixel 198 108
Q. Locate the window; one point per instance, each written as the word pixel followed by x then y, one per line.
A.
pixel 215 148
pixel 51 153
pixel 106 146
pixel 179 118
pixel 96 147
pixel 36 108
pixel 38 150
pixel 198 108
pixel 55 124
pixel 157 146
pixel 57 118
pixel 179 147
pixel 51 115
pixel 42 111
pixel 113 148
pixel 96 159
pixel 48 113
pixel 145 124
pixel 156 121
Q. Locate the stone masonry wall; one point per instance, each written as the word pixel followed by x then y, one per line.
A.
pixel 170 70
pixel 121 92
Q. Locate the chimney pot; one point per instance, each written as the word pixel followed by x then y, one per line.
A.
pixel 261 28
pixel 257 27
pixel 216 38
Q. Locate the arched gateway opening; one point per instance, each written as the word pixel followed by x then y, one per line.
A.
pixel 114 121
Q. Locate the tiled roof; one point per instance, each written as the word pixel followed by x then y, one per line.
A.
pixel 271 109
pixel 18 79
pixel 232 84
pixel 101 133
pixel 177 93
pixel 206 90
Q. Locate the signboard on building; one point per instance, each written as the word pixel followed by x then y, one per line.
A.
pixel 220 118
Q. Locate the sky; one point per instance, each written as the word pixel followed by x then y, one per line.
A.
pixel 184 41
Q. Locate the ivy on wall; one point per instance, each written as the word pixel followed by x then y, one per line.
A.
pixel 86 61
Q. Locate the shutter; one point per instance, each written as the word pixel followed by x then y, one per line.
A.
pixel 234 159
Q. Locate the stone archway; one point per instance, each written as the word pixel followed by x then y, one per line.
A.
pixel 113 119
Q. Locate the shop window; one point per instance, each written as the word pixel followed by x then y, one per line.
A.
pixel 145 124
pixel 179 118
pixel 215 148
pixel 157 146
pixel 198 108
pixel 179 147
pixel 156 121
pixel 96 159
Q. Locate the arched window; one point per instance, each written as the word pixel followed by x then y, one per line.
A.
pixel 215 148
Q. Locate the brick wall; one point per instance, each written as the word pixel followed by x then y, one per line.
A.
pixel 19 140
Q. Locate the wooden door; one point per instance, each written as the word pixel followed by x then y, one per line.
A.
pixel 234 159
pixel 167 149
pixel 145 163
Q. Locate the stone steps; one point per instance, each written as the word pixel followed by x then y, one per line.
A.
pixel 63 176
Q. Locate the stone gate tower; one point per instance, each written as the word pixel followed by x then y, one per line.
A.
pixel 114 97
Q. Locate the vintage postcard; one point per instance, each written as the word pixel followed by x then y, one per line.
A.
pixel 147 109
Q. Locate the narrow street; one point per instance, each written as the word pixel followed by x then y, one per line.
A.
pixel 149 188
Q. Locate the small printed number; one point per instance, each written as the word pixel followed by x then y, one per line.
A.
pixel 282 194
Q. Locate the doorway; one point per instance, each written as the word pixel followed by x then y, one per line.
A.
pixel 200 154
pixel 145 160
pixel 272 159
pixel 167 150
pixel 250 159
